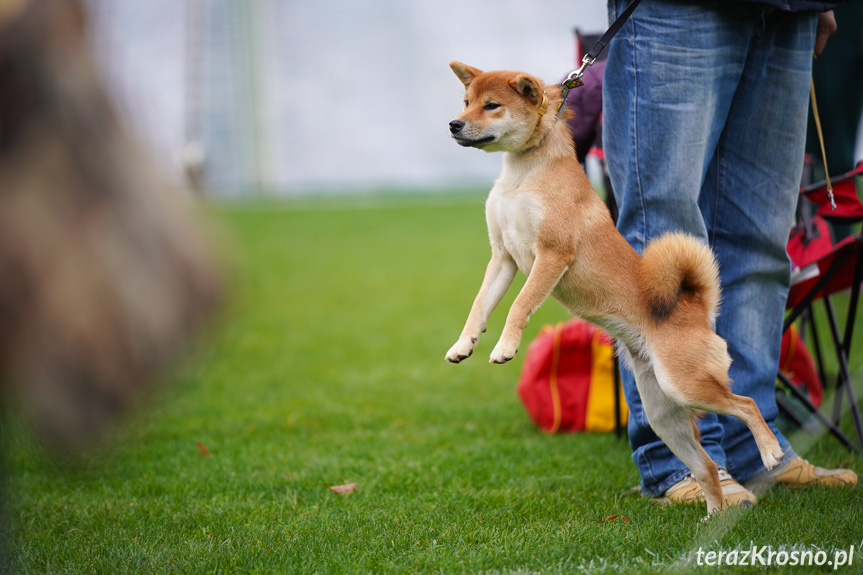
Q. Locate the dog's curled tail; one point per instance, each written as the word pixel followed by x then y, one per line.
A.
pixel 677 267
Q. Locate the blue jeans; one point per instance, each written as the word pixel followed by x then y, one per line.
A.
pixel 704 124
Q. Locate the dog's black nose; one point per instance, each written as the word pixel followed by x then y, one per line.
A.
pixel 455 126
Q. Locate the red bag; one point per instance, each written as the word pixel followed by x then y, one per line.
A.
pixel 567 381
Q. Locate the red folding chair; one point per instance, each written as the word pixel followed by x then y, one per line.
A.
pixel 823 268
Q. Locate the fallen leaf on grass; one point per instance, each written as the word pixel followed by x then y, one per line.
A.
pixel 202 449
pixel 345 489
pixel 625 518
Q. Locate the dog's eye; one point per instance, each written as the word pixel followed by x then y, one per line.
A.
pixel 465 103
pixel 491 106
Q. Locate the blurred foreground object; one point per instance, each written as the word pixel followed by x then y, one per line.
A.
pixel 103 272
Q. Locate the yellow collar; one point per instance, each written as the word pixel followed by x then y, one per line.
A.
pixel 544 106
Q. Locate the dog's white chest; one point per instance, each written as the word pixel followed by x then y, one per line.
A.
pixel 513 221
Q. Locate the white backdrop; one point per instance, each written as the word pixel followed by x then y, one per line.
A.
pixel 290 96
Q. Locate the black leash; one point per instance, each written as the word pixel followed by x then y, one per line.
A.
pixel 574 79
pixel 609 34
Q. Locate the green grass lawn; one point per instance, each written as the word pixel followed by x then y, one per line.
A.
pixel 328 369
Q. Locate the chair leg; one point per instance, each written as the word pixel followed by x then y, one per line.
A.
pixel 855 412
pixel 840 376
pixel 816 344
pixel 844 378
pixel 785 407
pixel 841 345
pixel 822 419
pixel 846 344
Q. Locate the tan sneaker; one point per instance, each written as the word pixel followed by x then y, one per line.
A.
pixel 687 490
pixel 800 473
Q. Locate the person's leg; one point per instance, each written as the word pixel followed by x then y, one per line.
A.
pixel 669 81
pixel 755 178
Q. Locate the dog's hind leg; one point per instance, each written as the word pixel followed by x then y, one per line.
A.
pixel 695 375
pixel 712 395
pixel 704 385
pixel 677 429
pixel 673 424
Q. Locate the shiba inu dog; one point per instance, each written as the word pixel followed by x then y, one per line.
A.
pixel 545 219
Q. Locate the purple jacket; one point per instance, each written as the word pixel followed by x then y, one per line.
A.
pixel 586 102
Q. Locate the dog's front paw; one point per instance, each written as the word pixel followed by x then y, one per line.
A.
pixel 462 350
pixel 502 353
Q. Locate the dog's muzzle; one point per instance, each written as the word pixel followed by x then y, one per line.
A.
pixel 456 127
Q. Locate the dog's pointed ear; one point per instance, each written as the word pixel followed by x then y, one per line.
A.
pixel 464 72
pixel 528 87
